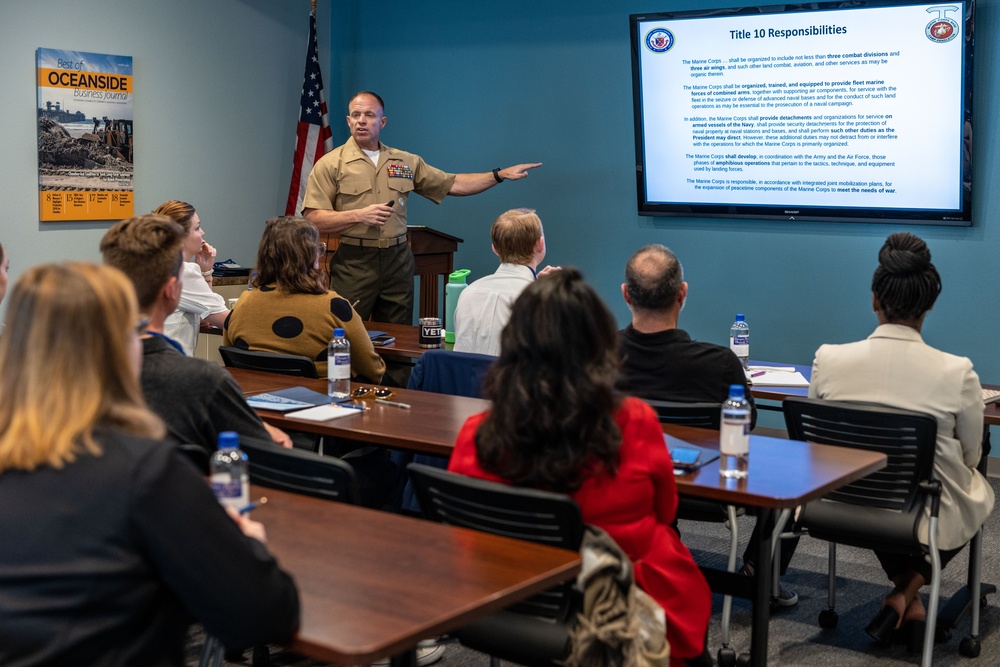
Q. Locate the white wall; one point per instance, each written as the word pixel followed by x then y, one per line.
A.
pixel 216 101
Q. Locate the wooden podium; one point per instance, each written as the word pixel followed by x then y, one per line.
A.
pixel 434 255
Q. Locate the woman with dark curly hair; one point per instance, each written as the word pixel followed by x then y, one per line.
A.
pixel 558 424
pixel 289 308
pixel 896 368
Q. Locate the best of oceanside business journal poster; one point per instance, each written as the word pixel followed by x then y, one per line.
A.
pixel 85 136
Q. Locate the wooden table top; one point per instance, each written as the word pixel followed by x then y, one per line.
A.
pixel 406 345
pixel 372 583
pixel 430 425
pixel 782 473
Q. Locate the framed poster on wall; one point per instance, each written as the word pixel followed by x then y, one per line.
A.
pixel 85 136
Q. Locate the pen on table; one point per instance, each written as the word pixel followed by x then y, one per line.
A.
pixel 757 374
pixel 405 406
pixel 352 406
pixel 252 506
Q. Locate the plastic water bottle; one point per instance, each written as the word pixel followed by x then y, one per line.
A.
pixel 734 434
pixel 456 283
pixel 739 340
pixel 338 366
pixel 229 472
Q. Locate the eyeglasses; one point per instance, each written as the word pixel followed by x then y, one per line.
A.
pixel 377 392
pixel 141 326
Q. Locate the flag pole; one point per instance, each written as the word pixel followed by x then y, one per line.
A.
pixel 313 137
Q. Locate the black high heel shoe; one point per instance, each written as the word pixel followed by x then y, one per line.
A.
pixel 914 632
pixel 880 628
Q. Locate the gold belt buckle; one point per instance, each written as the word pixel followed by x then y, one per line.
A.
pixel 383 243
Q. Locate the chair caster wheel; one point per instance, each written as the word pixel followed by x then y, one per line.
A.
pixel 743 660
pixel 969 647
pixel 942 635
pixel 726 657
pixel 983 602
pixel 828 619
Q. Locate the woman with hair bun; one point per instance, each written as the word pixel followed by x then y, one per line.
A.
pixel 896 368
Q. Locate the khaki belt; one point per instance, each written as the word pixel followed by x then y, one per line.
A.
pixel 373 243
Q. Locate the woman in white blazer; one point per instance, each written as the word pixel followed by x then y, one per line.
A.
pixel 894 367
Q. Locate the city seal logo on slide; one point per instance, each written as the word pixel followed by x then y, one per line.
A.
pixel 659 40
pixel 942 29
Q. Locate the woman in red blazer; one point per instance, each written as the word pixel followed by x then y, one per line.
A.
pixel 558 424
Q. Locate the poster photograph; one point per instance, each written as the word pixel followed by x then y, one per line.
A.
pixel 85 136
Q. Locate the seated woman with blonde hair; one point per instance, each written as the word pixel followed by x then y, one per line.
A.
pixel 198 302
pixel 290 310
pixel 112 543
pixel 558 424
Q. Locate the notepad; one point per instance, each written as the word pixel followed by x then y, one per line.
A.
pixel 324 413
pixel 286 400
pixel 776 376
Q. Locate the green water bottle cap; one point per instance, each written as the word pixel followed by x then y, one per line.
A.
pixel 458 276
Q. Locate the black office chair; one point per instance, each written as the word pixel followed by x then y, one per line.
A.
pixel 883 509
pixel 302 472
pixel 269 362
pixel 534 632
pixel 701 415
pixel 706 415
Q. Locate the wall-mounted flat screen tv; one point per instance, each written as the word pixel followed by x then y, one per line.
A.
pixel 856 111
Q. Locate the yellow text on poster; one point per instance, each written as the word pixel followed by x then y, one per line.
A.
pixel 90 205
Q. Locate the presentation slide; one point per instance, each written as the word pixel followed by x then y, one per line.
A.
pixel 848 108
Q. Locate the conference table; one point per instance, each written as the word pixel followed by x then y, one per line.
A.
pixel 366 596
pixel 783 473
pixel 406 348
pixel 429 426
pixel 774 395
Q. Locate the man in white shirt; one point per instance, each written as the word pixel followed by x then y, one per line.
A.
pixel 484 306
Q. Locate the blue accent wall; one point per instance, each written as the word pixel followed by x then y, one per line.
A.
pixel 471 86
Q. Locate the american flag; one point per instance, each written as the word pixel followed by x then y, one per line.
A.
pixel 313 137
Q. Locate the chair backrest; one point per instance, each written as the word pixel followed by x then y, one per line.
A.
pixel 907 438
pixel 302 472
pixel 702 415
pixel 269 362
pixel 553 519
pixel 450 372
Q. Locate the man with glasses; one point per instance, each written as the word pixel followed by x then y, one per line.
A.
pixel 195 398
pixel 359 190
pixel 484 306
